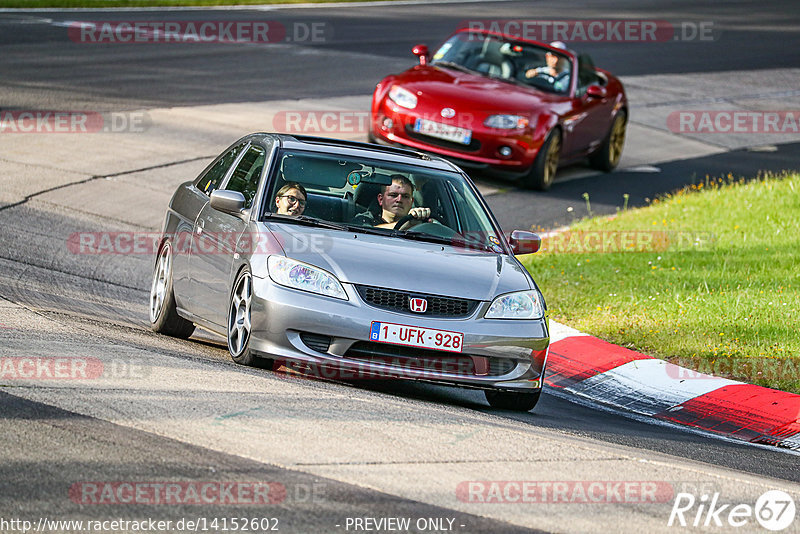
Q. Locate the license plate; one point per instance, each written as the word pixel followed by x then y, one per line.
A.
pixel 414 336
pixel 443 131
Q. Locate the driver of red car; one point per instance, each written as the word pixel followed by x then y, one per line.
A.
pixel 556 71
pixel 395 202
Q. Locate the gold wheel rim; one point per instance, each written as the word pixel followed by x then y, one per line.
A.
pixel 551 164
pixel 617 140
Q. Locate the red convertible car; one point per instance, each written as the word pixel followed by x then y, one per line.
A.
pixel 508 106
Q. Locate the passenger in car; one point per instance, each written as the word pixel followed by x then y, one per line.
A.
pixel 291 199
pixel 395 202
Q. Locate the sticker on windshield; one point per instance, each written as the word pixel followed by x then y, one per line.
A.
pixel 494 240
pixel 354 178
pixel 442 51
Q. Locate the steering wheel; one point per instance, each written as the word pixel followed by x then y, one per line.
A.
pixel 434 228
pixel 404 219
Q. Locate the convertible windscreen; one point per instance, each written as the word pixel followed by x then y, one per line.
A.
pixel 348 192
pixel 514 61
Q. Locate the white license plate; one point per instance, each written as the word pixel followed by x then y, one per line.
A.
pixel 414 336
pixel 443 131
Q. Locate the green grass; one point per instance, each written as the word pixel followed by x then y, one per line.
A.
pixel 146 3
pixel 727 305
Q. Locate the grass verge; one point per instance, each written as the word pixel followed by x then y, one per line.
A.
pixel 707 278
pixel 30 4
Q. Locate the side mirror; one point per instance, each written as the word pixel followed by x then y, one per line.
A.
pixel 421 51
pixel 227 201
pixel 523 242
pixel 596 91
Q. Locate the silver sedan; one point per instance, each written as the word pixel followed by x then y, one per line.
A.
pixel 352 261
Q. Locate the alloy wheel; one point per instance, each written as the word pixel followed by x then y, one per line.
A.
pixel 617 141
pixel 239 315
pixel 161 278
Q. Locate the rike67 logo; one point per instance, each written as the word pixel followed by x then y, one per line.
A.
pixel 774 510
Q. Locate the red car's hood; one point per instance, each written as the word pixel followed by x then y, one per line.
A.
pixel 464 91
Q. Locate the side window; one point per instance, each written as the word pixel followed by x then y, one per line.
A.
pixel 587 75
pixel 213 177
pixel 246 175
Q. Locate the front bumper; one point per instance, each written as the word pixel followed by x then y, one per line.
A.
pixel 284 319
pixel 482 153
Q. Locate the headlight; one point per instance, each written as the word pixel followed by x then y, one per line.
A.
pixel 403 97
pixel 506 122
pixel 291 273
pixel 519 305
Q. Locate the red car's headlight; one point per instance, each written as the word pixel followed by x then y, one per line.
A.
pixel 403 97
pixel 506 122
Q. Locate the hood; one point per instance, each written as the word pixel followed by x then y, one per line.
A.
pixel 397 263
pixel 435 86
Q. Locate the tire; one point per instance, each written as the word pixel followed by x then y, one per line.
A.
pixel 164 318
pixel 607 157
pixel 512 400
pixel 543 170
pixel 239 323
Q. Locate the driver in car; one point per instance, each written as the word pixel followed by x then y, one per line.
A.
pixel 395 202
pixel 556 71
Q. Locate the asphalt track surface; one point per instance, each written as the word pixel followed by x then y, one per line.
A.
pixel 46 449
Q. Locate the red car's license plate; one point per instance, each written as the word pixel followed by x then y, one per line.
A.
pixel 414 336
pixel 443 131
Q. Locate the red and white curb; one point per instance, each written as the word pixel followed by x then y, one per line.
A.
pixel 614 376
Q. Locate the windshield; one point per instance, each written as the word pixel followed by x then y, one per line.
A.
pixel 373 196
pixel 509 60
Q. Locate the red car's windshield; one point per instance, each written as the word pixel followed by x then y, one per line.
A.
pixel 495 57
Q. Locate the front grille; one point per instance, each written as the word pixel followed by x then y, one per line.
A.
pixel 412 358
pixel 438 306
pixel 316 342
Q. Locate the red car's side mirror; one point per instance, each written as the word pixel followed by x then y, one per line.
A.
pixel 523 242
pixel 596 91
pixel 421 51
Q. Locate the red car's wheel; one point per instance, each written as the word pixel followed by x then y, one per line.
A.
pixel 543 170
pixel 607 157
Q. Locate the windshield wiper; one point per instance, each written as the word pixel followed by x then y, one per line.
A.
pixel 418 236
pixel 305 219
pixel 368 229
pixel 472 243
pixel 452 65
